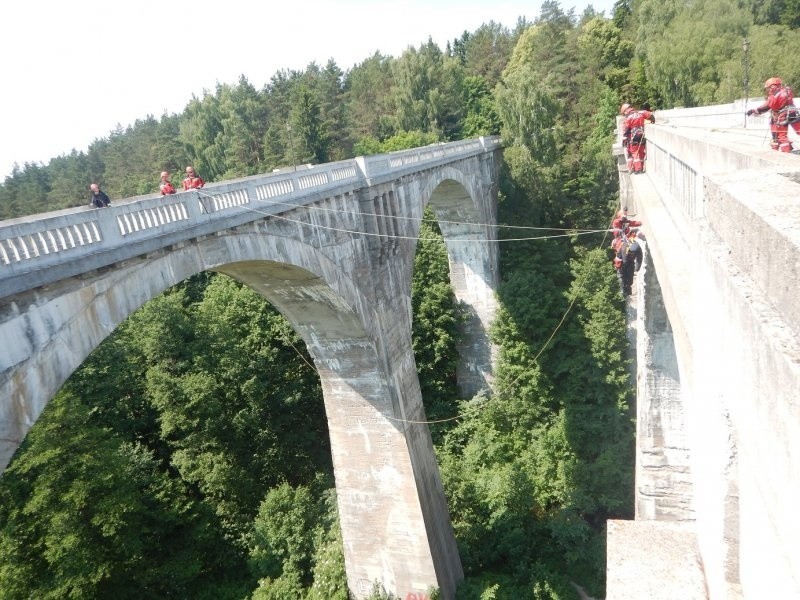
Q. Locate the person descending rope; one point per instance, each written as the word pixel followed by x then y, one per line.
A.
pixel 633 139
pixel 627 260
pixel 622 224
pixel 783 113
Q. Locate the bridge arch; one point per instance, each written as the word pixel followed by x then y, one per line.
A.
pixel 467 225
pixel 379 459
pixel 333 249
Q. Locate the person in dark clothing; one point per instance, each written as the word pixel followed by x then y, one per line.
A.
pixel 628 261
pixel 98 199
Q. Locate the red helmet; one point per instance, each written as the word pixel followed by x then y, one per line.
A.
pixel 772 81
pixel 625 109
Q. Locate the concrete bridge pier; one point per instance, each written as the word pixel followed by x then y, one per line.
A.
pixel 394 519
pixel 469 231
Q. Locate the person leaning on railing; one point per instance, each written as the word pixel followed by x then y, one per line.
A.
pixel 192 180
pixel 165 185
pixel 98 199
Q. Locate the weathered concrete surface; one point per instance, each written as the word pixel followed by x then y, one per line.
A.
pixel 337 261
pixel 664 488
pixel 721 215
pixel 652 560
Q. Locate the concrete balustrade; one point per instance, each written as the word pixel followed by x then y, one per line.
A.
pixel 35 250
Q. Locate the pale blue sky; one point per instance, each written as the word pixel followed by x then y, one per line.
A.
pixel 74 70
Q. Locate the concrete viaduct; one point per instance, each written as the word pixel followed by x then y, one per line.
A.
pixel 332 248
pixel 717 328
pixel 715 314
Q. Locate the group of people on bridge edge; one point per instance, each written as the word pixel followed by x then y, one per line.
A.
pixel 192 181
pixel 782 113
pixel 779 102
pixel 626 247
pixel 627 250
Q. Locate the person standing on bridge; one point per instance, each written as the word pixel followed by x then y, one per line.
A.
pixel 165 185
pixel 98 199
pixel 633 139
pixel 192 181
pixel 783 112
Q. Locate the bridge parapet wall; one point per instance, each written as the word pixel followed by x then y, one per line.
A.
pixel 722 218
pixel 749 199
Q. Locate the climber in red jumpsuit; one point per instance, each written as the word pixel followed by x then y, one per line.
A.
pixel 783 113
pixel 633 136
pixel 622 224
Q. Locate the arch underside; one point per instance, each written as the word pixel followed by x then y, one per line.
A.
pixel 466 225
pixel 369 386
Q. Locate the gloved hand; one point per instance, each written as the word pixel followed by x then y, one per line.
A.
pixel 751 112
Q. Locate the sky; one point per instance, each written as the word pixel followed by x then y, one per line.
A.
pixel 71 72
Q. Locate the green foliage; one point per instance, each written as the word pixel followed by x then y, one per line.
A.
pixel 296 546
pixel 481 116
pixel 696 59
pixel 366 146
pixel 378 592
pixel 486 52
pixel 200 403
pixel 243 118
pixel 369 101
pixel 283 533
pixel 777 12
pixel 404 140
pixel 428 93
pixel 766 62
pixel 84 514
pixel 532 473
pixel 238 406
pixel 435 328
pixel 308 128
pixel 330 580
